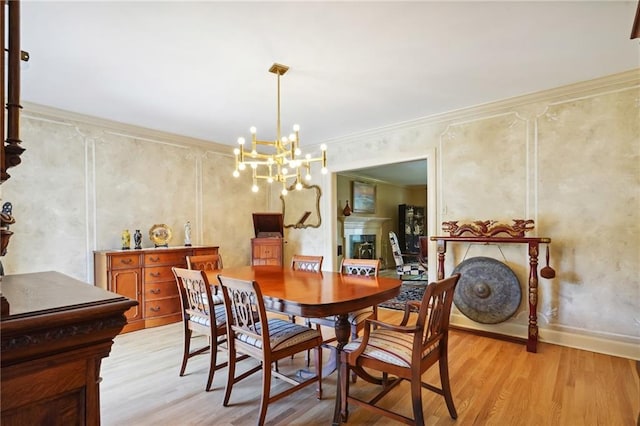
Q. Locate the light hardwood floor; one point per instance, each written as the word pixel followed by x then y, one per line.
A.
pixel 493 382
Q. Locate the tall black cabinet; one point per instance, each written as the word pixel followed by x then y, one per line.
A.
pixel 410 227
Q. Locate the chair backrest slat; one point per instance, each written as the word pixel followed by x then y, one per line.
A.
pixel 435 310
pixel 245 307
pixel 195 294
pixel 367 267
pixel 205 262
pixel 306 263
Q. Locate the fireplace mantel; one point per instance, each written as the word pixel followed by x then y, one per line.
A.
pixel 361 221
pixel 362 225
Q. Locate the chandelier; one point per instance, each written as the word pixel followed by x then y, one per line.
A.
pixel 279 160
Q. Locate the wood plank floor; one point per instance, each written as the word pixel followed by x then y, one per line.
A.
pixel 493 383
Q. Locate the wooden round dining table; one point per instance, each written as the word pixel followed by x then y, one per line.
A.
pixel 316 295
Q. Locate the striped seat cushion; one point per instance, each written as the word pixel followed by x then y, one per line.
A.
pixel 359 316
pixel 282 334
pixel 217 299
pixel 389 346
pixel 197 317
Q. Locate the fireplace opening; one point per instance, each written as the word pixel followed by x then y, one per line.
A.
pixel 363 246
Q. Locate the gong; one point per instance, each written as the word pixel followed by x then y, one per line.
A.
pixel 488 291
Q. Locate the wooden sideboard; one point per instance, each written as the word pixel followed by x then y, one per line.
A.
pixel 54 336
pixel 145 275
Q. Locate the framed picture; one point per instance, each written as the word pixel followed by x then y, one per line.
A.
pixel 364 197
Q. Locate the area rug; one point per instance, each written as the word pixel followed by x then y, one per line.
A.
pixel 410 290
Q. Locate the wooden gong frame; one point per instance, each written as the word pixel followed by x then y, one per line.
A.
pixel 485 232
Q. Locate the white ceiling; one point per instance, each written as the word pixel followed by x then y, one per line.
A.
pixel 200 69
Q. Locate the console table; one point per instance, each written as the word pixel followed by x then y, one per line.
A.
pixel 484 235
pixel 54 336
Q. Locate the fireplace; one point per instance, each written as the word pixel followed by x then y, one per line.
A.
pixel 363 246
pixel 363 237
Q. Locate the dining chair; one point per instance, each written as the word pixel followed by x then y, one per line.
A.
pixel 404 351
pixel 207 262
pixel 200 315
pixel 413 266
pixel 268 340
pixel 365 267
pixel 301 262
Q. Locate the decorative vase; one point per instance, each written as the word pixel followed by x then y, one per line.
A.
pixel 137 238
pixel 347 209
pixel 126 240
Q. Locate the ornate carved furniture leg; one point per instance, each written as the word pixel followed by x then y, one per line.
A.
pixel 532 338
pixel 442 249
pixel 343 331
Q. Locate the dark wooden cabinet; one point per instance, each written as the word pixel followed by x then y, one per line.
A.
pixel 54 336
pixel 145 275
pixel 411 225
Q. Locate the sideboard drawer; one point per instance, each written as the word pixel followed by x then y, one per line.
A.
pixel 161 290
pixel 158 274
pixel 160 307
pixel 125 261
pixel 170 258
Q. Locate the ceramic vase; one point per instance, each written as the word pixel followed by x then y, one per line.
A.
pixel 347 209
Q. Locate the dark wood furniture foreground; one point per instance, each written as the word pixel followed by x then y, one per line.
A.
pixel 316 295
pixel 145 275
pixel 10 90
pixel 54 337
pixel 484 232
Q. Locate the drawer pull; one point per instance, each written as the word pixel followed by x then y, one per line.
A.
pixel 154 309
pixel 154 291
pixel 154 259
pixel 125 261
pixel 155 274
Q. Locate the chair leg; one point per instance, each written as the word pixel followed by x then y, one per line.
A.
pixel 231 373
pixel 446 386
pixel 213 354
pixel 266 387
pixel 307 322
pixel 416 400
pixel 318 360
pixel 292 318
pixel 354 335
pixel 187 348
pixel 344 387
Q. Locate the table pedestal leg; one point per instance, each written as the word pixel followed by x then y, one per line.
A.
pixel 343 331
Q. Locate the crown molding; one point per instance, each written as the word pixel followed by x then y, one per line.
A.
pixel 38 111
pixel 619 81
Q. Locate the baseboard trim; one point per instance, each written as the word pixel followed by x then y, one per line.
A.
pixel 518 332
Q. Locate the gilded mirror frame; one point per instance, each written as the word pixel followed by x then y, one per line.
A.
pixel 306 212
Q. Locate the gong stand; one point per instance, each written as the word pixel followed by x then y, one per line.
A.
pixel 490 231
